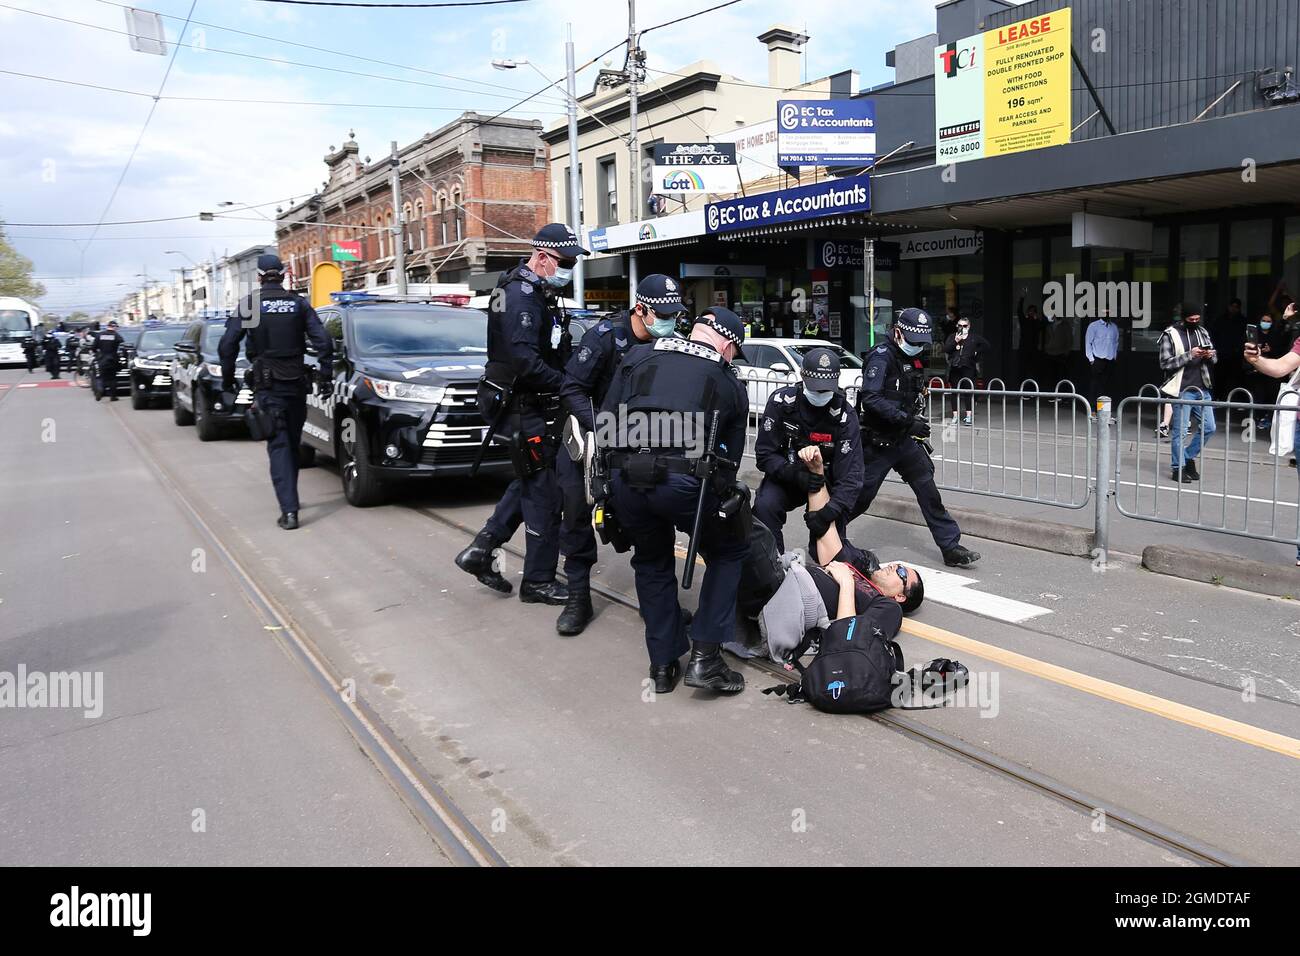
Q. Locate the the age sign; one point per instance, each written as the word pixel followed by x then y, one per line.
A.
pixel 1024 30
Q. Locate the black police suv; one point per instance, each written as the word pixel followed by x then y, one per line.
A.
pixel 151 364
pixel 402 402
pixel 196 382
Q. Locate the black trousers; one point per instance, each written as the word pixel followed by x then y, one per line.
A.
pixel 1102 378
pixel 287 401
pixel 107 378
pixel 914 466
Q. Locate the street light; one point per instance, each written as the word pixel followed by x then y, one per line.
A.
pixel 243 207
pixel 575 185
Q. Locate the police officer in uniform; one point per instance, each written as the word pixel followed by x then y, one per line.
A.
pixel 812 413
pixel 655 492
pixel 587 377
pixel 50 345
pixel 29 352
pixel 278 324
pixel 895 426
pixel 527 347
pixel 105 345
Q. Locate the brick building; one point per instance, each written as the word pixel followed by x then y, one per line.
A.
pixel 468 190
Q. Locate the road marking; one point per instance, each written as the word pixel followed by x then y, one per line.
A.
pixel 1117 693
pixel 954 590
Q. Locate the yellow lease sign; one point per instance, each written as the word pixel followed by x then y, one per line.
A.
pixel 1027 75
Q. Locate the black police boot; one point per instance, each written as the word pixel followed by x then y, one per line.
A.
pixel 666 677
pixel 960 557
pixel 577 613
pixel 288 521
pixel 547 592
pixel 707 669
pixel 477 560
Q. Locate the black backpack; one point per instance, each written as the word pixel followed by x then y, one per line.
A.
pixel 855 668
pixel 761 573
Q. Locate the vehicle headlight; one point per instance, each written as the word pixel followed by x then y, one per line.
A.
pixel 406 391
pixel 213 369
pixel 152 364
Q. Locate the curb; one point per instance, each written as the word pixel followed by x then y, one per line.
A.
pixel 1028 533
pixel 1210 568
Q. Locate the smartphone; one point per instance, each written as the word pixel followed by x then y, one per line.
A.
pixel 1252 334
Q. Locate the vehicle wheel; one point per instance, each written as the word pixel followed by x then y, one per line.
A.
pixel 360 483
pixel 208 429
pixel 139 398
pixel 306 456
pixel 179 415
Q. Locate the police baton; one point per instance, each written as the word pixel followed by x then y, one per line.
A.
pixel 507 396
pixel 704 472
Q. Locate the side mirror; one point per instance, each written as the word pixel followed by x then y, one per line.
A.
pixel 187 347
pixel 780 367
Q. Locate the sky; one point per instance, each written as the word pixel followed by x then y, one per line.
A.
pixel 64 148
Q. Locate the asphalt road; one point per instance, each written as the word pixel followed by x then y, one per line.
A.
pixel 551 746
pixel 213 747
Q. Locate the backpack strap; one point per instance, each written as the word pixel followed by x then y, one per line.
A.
pixel 793 693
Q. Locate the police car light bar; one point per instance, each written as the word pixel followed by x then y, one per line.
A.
pixel 345 297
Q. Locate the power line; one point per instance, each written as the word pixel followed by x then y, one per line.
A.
pixel 397 6
pixel 233 235
pixel 689 16
pixel 320 49
pixel 137 222
pixel 139 139
pixel 267 59
pixel 229 99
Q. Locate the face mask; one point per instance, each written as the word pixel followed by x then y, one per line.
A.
pixel 1266 325
pixel 661 327
pixel 910 350
pixel 561 278
pixel 819 399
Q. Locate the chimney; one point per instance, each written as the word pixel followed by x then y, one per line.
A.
pixel 784 56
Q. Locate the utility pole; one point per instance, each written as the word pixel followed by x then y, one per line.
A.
pixel 575 180
pixel 399 237
pixel 633 153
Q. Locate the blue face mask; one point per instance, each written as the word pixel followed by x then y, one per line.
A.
pixel 909 349
pixel 560 279
pixel 820 399
pixel 660 328
pixel 1266 325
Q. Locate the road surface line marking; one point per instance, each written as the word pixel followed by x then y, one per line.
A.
pixel 955 591
pixel 1116 693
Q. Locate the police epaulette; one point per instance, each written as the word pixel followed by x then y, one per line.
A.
pixel 689 348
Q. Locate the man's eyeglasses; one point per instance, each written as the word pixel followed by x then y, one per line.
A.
pixel 563 263
pixel 901 571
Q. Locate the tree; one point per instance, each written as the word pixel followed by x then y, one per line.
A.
pixel 16 272
pixel 78 317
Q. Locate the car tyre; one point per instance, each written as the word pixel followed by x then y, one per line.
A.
pixel 361 485
pixel 179 415
pixel 207 428
pixel 139 398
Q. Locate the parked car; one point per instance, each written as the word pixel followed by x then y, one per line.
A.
pixel 151 364
pixel 773 363
pixel 196 382
pixel 402 402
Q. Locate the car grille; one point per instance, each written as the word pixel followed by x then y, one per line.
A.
pixel 455 438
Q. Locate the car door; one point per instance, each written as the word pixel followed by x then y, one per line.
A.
pixel 765 379
pixel 186 363
pixel 319 430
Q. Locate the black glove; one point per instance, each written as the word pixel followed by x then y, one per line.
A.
pixel 797 475
pixel 819 522
pixel 920 427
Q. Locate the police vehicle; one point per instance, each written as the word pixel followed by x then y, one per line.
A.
pixel 151 364
pixel 401 404
pixel 773 363
pixel 196 382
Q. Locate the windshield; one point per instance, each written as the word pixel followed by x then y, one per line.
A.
pixel 847 359
pixel 158 340
pixel 212 334
pixel 131 336
pixel 14 324
pixel 394 332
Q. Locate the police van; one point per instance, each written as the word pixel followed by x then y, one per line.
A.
pixel 401 404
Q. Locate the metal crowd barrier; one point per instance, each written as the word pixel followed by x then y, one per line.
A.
pixel 1244 489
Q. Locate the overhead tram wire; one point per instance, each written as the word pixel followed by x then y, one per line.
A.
pixel 320 49
pixel 392 6
pixel 249 102
pixel 270 59
pixel 138 222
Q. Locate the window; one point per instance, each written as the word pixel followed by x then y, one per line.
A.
pixel 1250 265
pixel 568 200
pixel 1065 263
pixel 1153 267
pixel 1290 262
pixel 1198 264
pixel 608 180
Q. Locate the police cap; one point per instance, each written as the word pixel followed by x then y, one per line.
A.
pixel 660 293
pixel 558 238
pixel 821 370
pixel 727 324
pixel 267 262
pixel 917 327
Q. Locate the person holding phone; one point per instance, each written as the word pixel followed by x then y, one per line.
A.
pixel 1270 335
pixel 1287 364
pixel 1188 357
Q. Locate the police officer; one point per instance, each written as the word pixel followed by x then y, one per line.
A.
pixel 813 413
pixel 656 490
pixel 51 345
pixel 29 352
pixel 895 426
pixel 278 324
pixel 526 351
pixel 587 377
pixel 106 344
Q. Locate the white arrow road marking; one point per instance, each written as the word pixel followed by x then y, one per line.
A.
pixel 955 591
